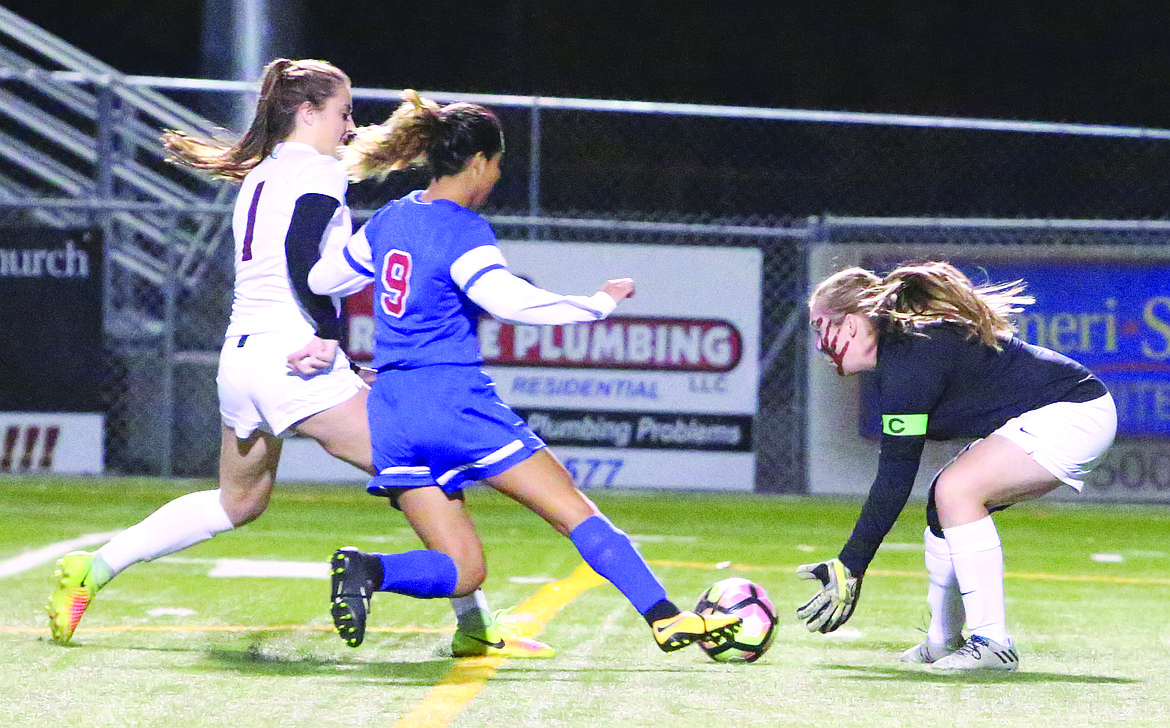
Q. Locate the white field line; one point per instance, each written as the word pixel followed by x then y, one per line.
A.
pixel 32 559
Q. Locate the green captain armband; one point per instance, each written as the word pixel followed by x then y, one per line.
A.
pixel 904 425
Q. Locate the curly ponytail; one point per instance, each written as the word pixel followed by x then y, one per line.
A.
pixel 420 133
pixel 401 141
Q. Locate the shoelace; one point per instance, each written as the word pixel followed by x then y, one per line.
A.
pixel 972 648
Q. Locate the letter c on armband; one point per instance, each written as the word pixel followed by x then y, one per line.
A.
pixel 904 425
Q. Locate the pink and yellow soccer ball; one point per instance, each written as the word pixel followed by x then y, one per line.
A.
pixel 747 600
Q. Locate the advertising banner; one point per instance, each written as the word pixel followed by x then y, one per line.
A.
pixel 1108 308
pixel 51 442
pixel 51 316
pixel 51 363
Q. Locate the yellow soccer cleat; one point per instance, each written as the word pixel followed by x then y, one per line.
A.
pixel 498 640
pixel 675 633
pixel 75 590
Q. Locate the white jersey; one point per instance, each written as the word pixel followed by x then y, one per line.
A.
pixel 264 300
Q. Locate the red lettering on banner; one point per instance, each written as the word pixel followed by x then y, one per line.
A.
pixel 32 433
pixel 618 342
pixel 10 438
pixel 51 434
pixel 28 454
pixel 642 343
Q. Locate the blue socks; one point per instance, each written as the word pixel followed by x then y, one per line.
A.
pixel 431 574
pixel 420 574
pixel 610 553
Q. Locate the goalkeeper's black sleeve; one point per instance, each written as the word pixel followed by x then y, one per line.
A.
pixel 302 248
pixel 897 467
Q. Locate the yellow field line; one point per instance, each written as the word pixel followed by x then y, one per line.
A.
pixel 468 676
pixel 224 628
pixel 1083 578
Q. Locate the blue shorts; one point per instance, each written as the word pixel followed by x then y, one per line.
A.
pixel 442 425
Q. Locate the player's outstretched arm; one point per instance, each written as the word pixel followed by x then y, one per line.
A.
pixel 513 299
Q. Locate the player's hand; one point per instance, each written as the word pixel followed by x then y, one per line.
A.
pixel 619 288
pixel 833 605
pixel 314 357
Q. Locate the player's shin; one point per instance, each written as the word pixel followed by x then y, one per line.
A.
pixel 978 558
pixel 422 574
pixel 943 597
pixel 608 550
pixel 183 522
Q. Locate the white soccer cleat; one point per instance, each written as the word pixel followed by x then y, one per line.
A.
pixel 980 653
pixel 929 652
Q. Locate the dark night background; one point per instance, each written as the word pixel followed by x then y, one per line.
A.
pixel 1052 60
pixel 1076 61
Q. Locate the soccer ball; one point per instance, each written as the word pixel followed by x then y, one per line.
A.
pixel 748 601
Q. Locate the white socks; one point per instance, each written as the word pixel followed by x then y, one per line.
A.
pixel 471 612
pixel 946 605
pixel 196 517
pixel 978 560
pixel 183 522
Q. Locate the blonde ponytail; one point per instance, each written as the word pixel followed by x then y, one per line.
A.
pixel 397 143
pixel 420 133
pixel 911 296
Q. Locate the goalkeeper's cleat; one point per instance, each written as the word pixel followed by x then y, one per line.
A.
pixel 980 653
pixel 74 591
pixel 928 652
pixel 352 586
pixel 675 633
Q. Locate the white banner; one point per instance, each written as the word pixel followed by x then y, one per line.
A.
pixel 660 394
pixel 52 442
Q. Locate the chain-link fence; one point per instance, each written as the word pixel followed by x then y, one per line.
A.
pixel 576 171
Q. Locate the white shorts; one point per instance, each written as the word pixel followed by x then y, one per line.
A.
pixel 258 392
pixel 1066 438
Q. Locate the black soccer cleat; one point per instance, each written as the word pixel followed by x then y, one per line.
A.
pixel 352 584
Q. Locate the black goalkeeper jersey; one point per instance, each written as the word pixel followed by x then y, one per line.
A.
pixel 939 384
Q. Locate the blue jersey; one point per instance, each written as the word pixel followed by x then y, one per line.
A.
pixel 422 315
pixel 435 416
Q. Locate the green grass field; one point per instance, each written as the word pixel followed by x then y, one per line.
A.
pixel 171 644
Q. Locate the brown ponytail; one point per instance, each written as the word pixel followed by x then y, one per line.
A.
pixel 286 85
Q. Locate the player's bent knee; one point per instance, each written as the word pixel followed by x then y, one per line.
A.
pixel 242 509
pixel 958 500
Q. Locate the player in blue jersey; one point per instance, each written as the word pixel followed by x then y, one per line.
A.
pixel 436 421
pixel 947 366
pixel 290 207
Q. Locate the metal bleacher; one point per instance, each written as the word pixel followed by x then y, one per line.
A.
pixel 79 146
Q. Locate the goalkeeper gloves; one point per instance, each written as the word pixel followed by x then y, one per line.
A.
pixel 833 605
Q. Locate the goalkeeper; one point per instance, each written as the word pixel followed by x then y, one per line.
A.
pixel 948 366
